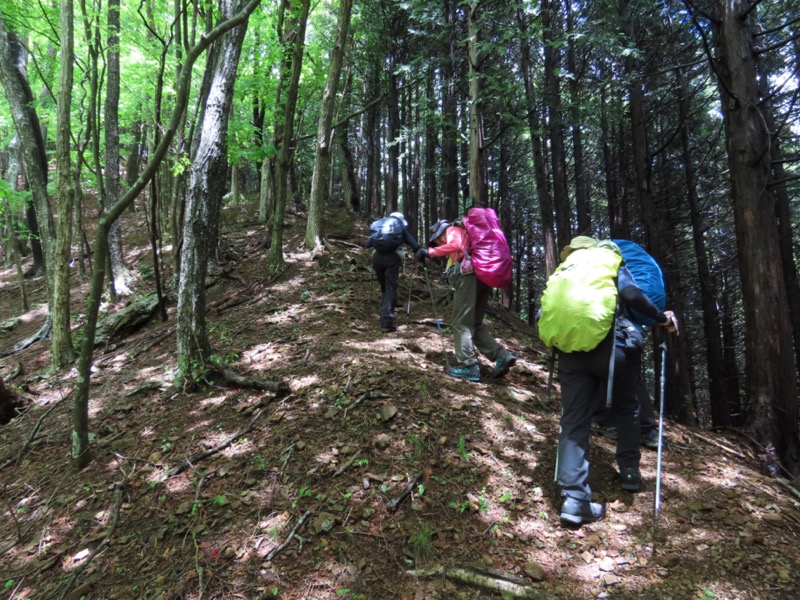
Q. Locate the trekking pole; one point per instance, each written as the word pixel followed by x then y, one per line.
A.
pixel 657 500
pixel 433 302
pixel 550 374
pixel 408 274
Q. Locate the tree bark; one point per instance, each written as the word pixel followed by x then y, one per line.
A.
pixel 771 390
pixel 61 349
pixel 322 159
pixel 119 272
pixel 286 148
pixel 207 184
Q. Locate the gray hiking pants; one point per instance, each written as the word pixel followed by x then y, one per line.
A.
pixel 583 377
pixel 470 300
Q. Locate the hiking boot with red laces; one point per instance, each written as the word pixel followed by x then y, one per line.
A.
pixel 576 512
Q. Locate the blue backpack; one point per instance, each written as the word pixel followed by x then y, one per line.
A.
pixel 386 234
pixel 648 276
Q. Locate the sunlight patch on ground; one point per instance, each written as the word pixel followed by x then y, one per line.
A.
pixel 241 446
pixel 36 313
pixel 202 425
pixel 213 400
pixel 300 383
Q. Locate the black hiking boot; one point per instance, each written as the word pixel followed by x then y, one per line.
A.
pixel 576 512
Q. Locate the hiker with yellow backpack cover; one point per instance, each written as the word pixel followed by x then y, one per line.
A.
pixel 578 318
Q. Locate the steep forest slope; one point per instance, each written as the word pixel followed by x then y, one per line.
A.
pixel 233 493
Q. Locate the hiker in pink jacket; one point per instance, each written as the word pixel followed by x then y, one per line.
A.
pixel 470 300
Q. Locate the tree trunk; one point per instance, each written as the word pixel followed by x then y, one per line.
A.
pixel 720 404
pixel 771 400
pixel 477 163
pixel 449 170
pixel 207 183
pixel 119 272
pixel 80 433
pixel 20 100
pixel 286 147
pixel 541 171
pixel 321 174
pixel 61 349
pixel 555 121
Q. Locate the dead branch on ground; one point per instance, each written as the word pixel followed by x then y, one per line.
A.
pixel 271 554
pixel 393 504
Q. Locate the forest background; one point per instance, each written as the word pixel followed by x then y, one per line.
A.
pixel 674 124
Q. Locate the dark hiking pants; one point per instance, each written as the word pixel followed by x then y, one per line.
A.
pixel 387 270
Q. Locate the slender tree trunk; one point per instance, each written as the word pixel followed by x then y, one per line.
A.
pixel 286 150
pixel 119 272
pixel 61 349
pixel 477 162
pixel 718 397
pixel 450 194
pixel 555 121
pixel 541 171
pixel 20 100
pixel 321 174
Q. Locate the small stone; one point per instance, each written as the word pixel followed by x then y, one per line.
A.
pixel 535 571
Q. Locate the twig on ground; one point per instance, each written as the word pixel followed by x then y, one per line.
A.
pixel 288 452
pixel 346 465
pixel 736 453
pixel 393 504
pixel 271 554
pixel 118 487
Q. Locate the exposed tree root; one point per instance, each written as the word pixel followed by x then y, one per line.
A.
pixel 279 388
pixel 43 333
pixel 489 582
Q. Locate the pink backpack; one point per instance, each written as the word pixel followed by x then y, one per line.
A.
pixel 488 248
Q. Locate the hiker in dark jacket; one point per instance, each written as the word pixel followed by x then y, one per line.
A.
pixel 387 270
pixel 470 301
pixel 584 377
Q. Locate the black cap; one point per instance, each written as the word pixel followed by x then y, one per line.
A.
pixel 438 229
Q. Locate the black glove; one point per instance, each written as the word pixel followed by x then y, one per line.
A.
pixel 421 254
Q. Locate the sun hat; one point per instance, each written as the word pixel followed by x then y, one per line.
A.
pixel 578 243
pixel 399 215
pixel 438 229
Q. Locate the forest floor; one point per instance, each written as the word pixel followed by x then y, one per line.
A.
pixel 232 493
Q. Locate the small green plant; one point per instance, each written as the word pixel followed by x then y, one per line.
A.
pixel 462 448
pixel 420 541
pixel 418 445
pixel 220 500
pixel 9 584
pixel 707 595
pixel 360 462
pixel 306 295
pixel 421 489
pixel 505 497
pixel 195 507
